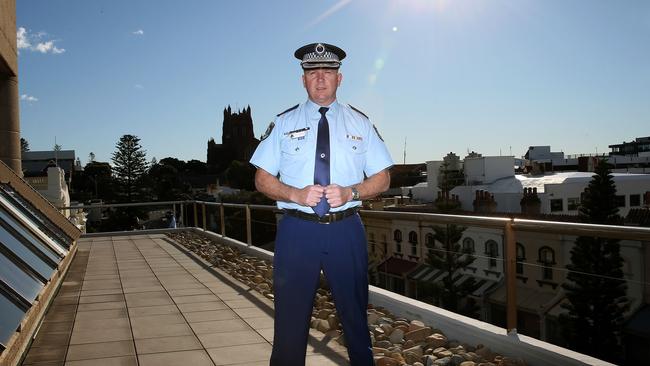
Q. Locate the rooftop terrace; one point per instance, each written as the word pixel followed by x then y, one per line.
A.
pixel 143 300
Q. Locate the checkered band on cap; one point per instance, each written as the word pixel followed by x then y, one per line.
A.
pixel 318 55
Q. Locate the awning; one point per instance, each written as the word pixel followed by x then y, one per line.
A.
pixel 427 273
pixel 527 298
pixel 396 266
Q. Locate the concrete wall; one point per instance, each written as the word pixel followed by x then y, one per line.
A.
pixel 8 48
pixel 9 104
pixel 485 170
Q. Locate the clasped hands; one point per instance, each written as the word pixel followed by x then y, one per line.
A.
pixel 311 195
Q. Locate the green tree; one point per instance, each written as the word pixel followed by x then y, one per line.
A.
pixel 24 145
pixel 176 163
pixel 196 167
pixel 129 165
pixel 241 175
pixel 166 183
pixel 595 285
pixel 452 258
pixel 95 181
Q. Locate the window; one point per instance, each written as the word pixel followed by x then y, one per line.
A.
pixel 468 246
pixel 619 200
pixel 43 222
pixel 429 240
pixel 413 239
pixel 371 241
pixel 384 243
pixel 14 275
pixel 492 251
pixel 397 235
pixel 11 317
pixel 557 205
pixel 547 259
pixel 521 258
pixel 635 200
pixel 573 203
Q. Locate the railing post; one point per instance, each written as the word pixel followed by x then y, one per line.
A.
pixel 183 214
pixel 511 278
pixel 249 235
pixel 223 220
pixel 204 218
pixel 196 215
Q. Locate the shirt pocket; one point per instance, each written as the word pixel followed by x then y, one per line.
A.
pixel 295 155
pixel 353 156
pixel 353 145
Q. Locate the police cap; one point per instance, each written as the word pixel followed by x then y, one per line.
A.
pixel 319 55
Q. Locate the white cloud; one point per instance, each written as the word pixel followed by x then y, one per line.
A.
pixel 139 32
pixel 23 40
pixel 28 98
pixel 48 47
pixel 26 42
pixel 138 86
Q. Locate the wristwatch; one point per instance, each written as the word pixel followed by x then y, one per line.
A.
pixel 355 195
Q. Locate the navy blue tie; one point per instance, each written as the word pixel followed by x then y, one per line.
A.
pixel 322 166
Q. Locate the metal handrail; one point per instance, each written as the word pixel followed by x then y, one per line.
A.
pixel 509 226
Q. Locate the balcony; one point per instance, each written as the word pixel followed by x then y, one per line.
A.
pixel 158 302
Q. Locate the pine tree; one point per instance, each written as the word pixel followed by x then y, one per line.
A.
pixel 24 145
pixel 595 285
pixel 451 259
pixel 129 165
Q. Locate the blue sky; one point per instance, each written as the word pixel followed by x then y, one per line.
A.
pixel 490 76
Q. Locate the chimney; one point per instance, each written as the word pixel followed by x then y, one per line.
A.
pixel 484 202
pixel 530 203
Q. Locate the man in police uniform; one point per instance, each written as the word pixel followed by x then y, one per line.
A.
pixel 312 160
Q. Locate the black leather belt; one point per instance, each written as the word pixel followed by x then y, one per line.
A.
pixel 327 219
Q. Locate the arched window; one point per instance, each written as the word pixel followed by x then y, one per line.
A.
pixel 492 251
pixel 547 259
pixel 521 258
pixel 413 239
pixel 468 246
pixel 397 235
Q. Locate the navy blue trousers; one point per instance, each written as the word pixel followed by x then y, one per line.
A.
pixel 302 249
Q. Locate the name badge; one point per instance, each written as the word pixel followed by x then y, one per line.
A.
pixel 297 134
pixel 354 138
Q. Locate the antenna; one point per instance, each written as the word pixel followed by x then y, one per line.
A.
pixel 405 150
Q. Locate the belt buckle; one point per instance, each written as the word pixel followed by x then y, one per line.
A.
pixel 325 220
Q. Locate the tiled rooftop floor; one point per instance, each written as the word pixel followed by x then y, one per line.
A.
pixel 141 300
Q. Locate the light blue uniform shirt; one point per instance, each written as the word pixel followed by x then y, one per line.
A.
pixel 290 149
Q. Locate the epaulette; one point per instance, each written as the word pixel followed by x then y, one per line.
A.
pixel 288 110
pixel 358 111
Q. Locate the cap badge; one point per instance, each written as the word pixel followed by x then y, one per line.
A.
pixel 320 49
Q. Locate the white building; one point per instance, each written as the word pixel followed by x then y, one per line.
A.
pixel 559 192
pixel 398 252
